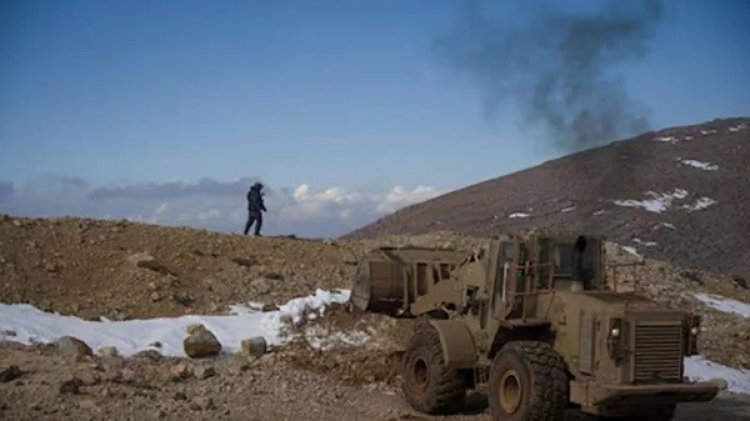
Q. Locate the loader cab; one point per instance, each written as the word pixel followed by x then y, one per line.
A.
pixel 575 263
pixel 523 268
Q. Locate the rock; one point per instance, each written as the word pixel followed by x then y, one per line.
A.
pixel 202 403
pixel 195 328
pixel 245 262
pixel 156 344
pixel 740 282
pixel 179 372
pixel 269 307
pixel 150 354
pixel 89 378
pixel 203 372
pixel 179 396
pixel 201 343
pixel 152 286
pixel 147 261
pixel 68 346
pixel 51 267
pixel 254 347
pixel 107 351
pixel 71 386
pixel 128 375
pixel 17 223
pixel 9 374
pixel 261 286
pixel 155 296
pixel 286 319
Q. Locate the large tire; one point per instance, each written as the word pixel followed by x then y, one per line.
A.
pixel 428 385
pixel 528 382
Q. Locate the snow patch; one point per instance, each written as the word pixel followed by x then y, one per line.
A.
pixel 32 325
pixel 665 225
pixel 568 209
pixel 706 166
pixel 668 139
pixel 632 251
pixel 737 128
pixel 699 204
pixel 658 202
pixel 699 368
pixel 519 215
pixel 599 212
pixel 644 243
pixel 708 132
pixel 727 305
pixel 324 339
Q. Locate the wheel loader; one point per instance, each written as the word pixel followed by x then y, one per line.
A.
pixel 533 320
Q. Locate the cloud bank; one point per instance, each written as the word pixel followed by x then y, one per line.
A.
pixel 211 204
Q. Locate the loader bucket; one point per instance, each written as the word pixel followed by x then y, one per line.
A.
pixel 383 283
pixel 378 285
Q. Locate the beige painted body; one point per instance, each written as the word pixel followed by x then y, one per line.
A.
pixel 623 351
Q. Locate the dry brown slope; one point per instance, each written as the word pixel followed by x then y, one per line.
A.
pixel 579 192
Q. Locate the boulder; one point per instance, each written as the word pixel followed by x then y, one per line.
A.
pixel 179 372
pixel 107 351
pixel 261 286
pixel 71 385
pixel 254 347
pixel 203 372
pixel 9 374
pixel 68 346
pixel 201 343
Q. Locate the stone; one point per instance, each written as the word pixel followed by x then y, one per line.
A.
pixel 269 307
pixel 51 267
pixel 201 344
pixel 261 286
pixel 179 372
pixel 254 347
pixel 203 372
pixel 195 328
pixel 203 403
pixel 107 351
pixel 155 296
pixel 150 354
pixel 68 346
pixel 71 386
pixel 128 375
pixel 179 396
pixel 9 374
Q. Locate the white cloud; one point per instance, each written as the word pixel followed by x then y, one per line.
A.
pixel 401 197
pixel 211 204
pixel 162 208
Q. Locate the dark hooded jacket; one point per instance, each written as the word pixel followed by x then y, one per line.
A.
pixel 255 200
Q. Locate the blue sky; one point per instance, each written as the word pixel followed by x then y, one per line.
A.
pixel 350 96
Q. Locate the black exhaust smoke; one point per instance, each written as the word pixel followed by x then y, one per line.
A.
pixel 558 68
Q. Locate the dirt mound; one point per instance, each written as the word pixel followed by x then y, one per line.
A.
pixel 123 270
pixel 352 346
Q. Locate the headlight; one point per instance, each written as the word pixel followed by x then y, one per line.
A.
pixel 615 332
pixel 694 330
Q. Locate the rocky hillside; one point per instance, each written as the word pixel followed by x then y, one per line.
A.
pixel 681 194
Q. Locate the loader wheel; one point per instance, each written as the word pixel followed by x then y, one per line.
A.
pixel 428 385
pixel 528 382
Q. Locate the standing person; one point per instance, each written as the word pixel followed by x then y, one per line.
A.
pixel 255 208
